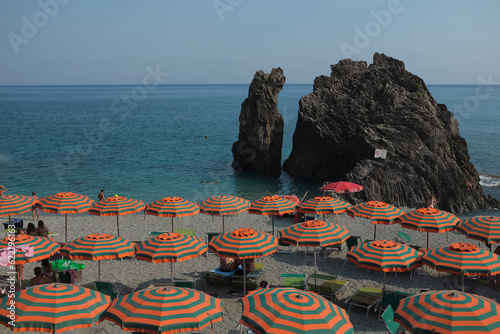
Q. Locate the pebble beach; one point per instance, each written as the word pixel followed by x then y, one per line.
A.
pixel 132 275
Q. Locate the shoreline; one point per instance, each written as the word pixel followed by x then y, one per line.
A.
pixel 132 275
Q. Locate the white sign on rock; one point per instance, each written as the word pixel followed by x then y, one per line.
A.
pixel 380 153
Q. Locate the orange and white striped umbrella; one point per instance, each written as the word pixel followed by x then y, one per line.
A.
pixel 223 206
pixel 172 207
pixel 315 233
pixel 482 228
pixel 53 308
pixel 170 247
pixel 324 205
pixel 98 247
pixel 378 213
pixel 117 206
pixel 165 310
pixel 463 258
pixel 385 256
pixel 64 203
pixel 287 310
pixel 41 248
pixel 448 312
pixel 428 220
pixel 272 206
pixel 11 205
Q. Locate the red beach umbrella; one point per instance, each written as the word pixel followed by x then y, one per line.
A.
pixel 463 258
pixel 117 206
pixel 244 243
pixel 428 220
pixel 165 310
pixel 41 248
pixel 448 312
pixel 315 233
pixel 11 205
pixel 98 247
pixel 342 187
pixel 170 247
pixel 64 203
pixel 287 310
pixel 172 207
pixel 377 212
pixel 272 206
pixel 53 308
pixel 223 206
pixel 385 256
pixel 323 205
pixel 482 228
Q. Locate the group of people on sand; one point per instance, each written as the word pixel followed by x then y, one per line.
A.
pixel 40 231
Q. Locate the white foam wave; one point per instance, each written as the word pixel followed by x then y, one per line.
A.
pixel 489 181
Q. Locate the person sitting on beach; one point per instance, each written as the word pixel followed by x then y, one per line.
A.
pixel 42 230
pixel 47 270
pixel 2 190
pixel 20 267
pixel 100 196
pixel 227 264
pixel 34 208
pixel 31 230
pixel 39 278
pixel 431 203
pixel 468 185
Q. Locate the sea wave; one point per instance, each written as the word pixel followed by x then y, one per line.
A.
pixel 488 180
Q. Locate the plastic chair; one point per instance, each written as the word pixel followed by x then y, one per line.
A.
pixel 388 317
pixel 326 285
pixel 366 297
pixel 297 281
pixel 108 288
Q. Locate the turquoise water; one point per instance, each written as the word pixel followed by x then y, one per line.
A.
pixel 165 141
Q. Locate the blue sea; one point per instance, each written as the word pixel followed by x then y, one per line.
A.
pixel 165 140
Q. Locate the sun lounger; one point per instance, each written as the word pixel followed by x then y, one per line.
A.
pixel 337 248
pixel 366 297
pixel 218 277
pixel 155 233
pixel 296 281
pixel 252 279
pixel 388 317
pixel 390 298
pixel 326 285
pixel 185 231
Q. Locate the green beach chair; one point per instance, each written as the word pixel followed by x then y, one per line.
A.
pixel 185 231
pixel 326 285
pixel 252 279
pixel 390 298
pixel 296 281
pixel 388 317
pixel 366 297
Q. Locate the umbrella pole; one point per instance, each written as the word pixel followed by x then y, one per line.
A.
pixel 172 271
pixel 272 223
pixel 337 216
pixel 463 282
pixel 118 225
pixel 244 278
pixel 99 269
pixel 314 251
pixel 172 224
pixel 383 287
pixel 427 240
pixel 223 229
pixel 375 232
pixel 66 226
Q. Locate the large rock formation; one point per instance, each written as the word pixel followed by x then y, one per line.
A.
pixel 361 108
pixel 260 139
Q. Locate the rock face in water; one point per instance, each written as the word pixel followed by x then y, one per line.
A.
pixel 359 109
pixel 260 139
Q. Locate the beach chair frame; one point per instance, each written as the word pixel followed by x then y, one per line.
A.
pixel 366 297
pixel 326 285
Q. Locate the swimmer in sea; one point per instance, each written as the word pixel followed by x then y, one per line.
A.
pixel 216 181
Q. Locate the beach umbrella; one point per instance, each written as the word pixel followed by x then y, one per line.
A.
pixel 482 228
pixel 463 258
pixel 448 312
pixel 64 203
pixel 342 187
pixel 170 247
pixel 53 308
pixel 315 233
pixel 428 220
pixel 324 205
pixel 223 206
pixel 28 248
pixel 172 207
pixel 244 243
pixel 287 310
pixel 377 212
pixel 272 206
pixel 12 205
pixel 117 206
pixel 385 256
pixel 97 247
pixel 165 310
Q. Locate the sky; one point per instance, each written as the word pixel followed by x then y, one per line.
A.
pixel 75 42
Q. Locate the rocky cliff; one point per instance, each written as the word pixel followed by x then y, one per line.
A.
pixel 260 138
pixel 359 109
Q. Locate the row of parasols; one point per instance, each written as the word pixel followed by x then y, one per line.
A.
pixel 170 310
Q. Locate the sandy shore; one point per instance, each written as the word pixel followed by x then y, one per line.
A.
pixel 133 275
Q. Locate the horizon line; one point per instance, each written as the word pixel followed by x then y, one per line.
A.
pixel 199 84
